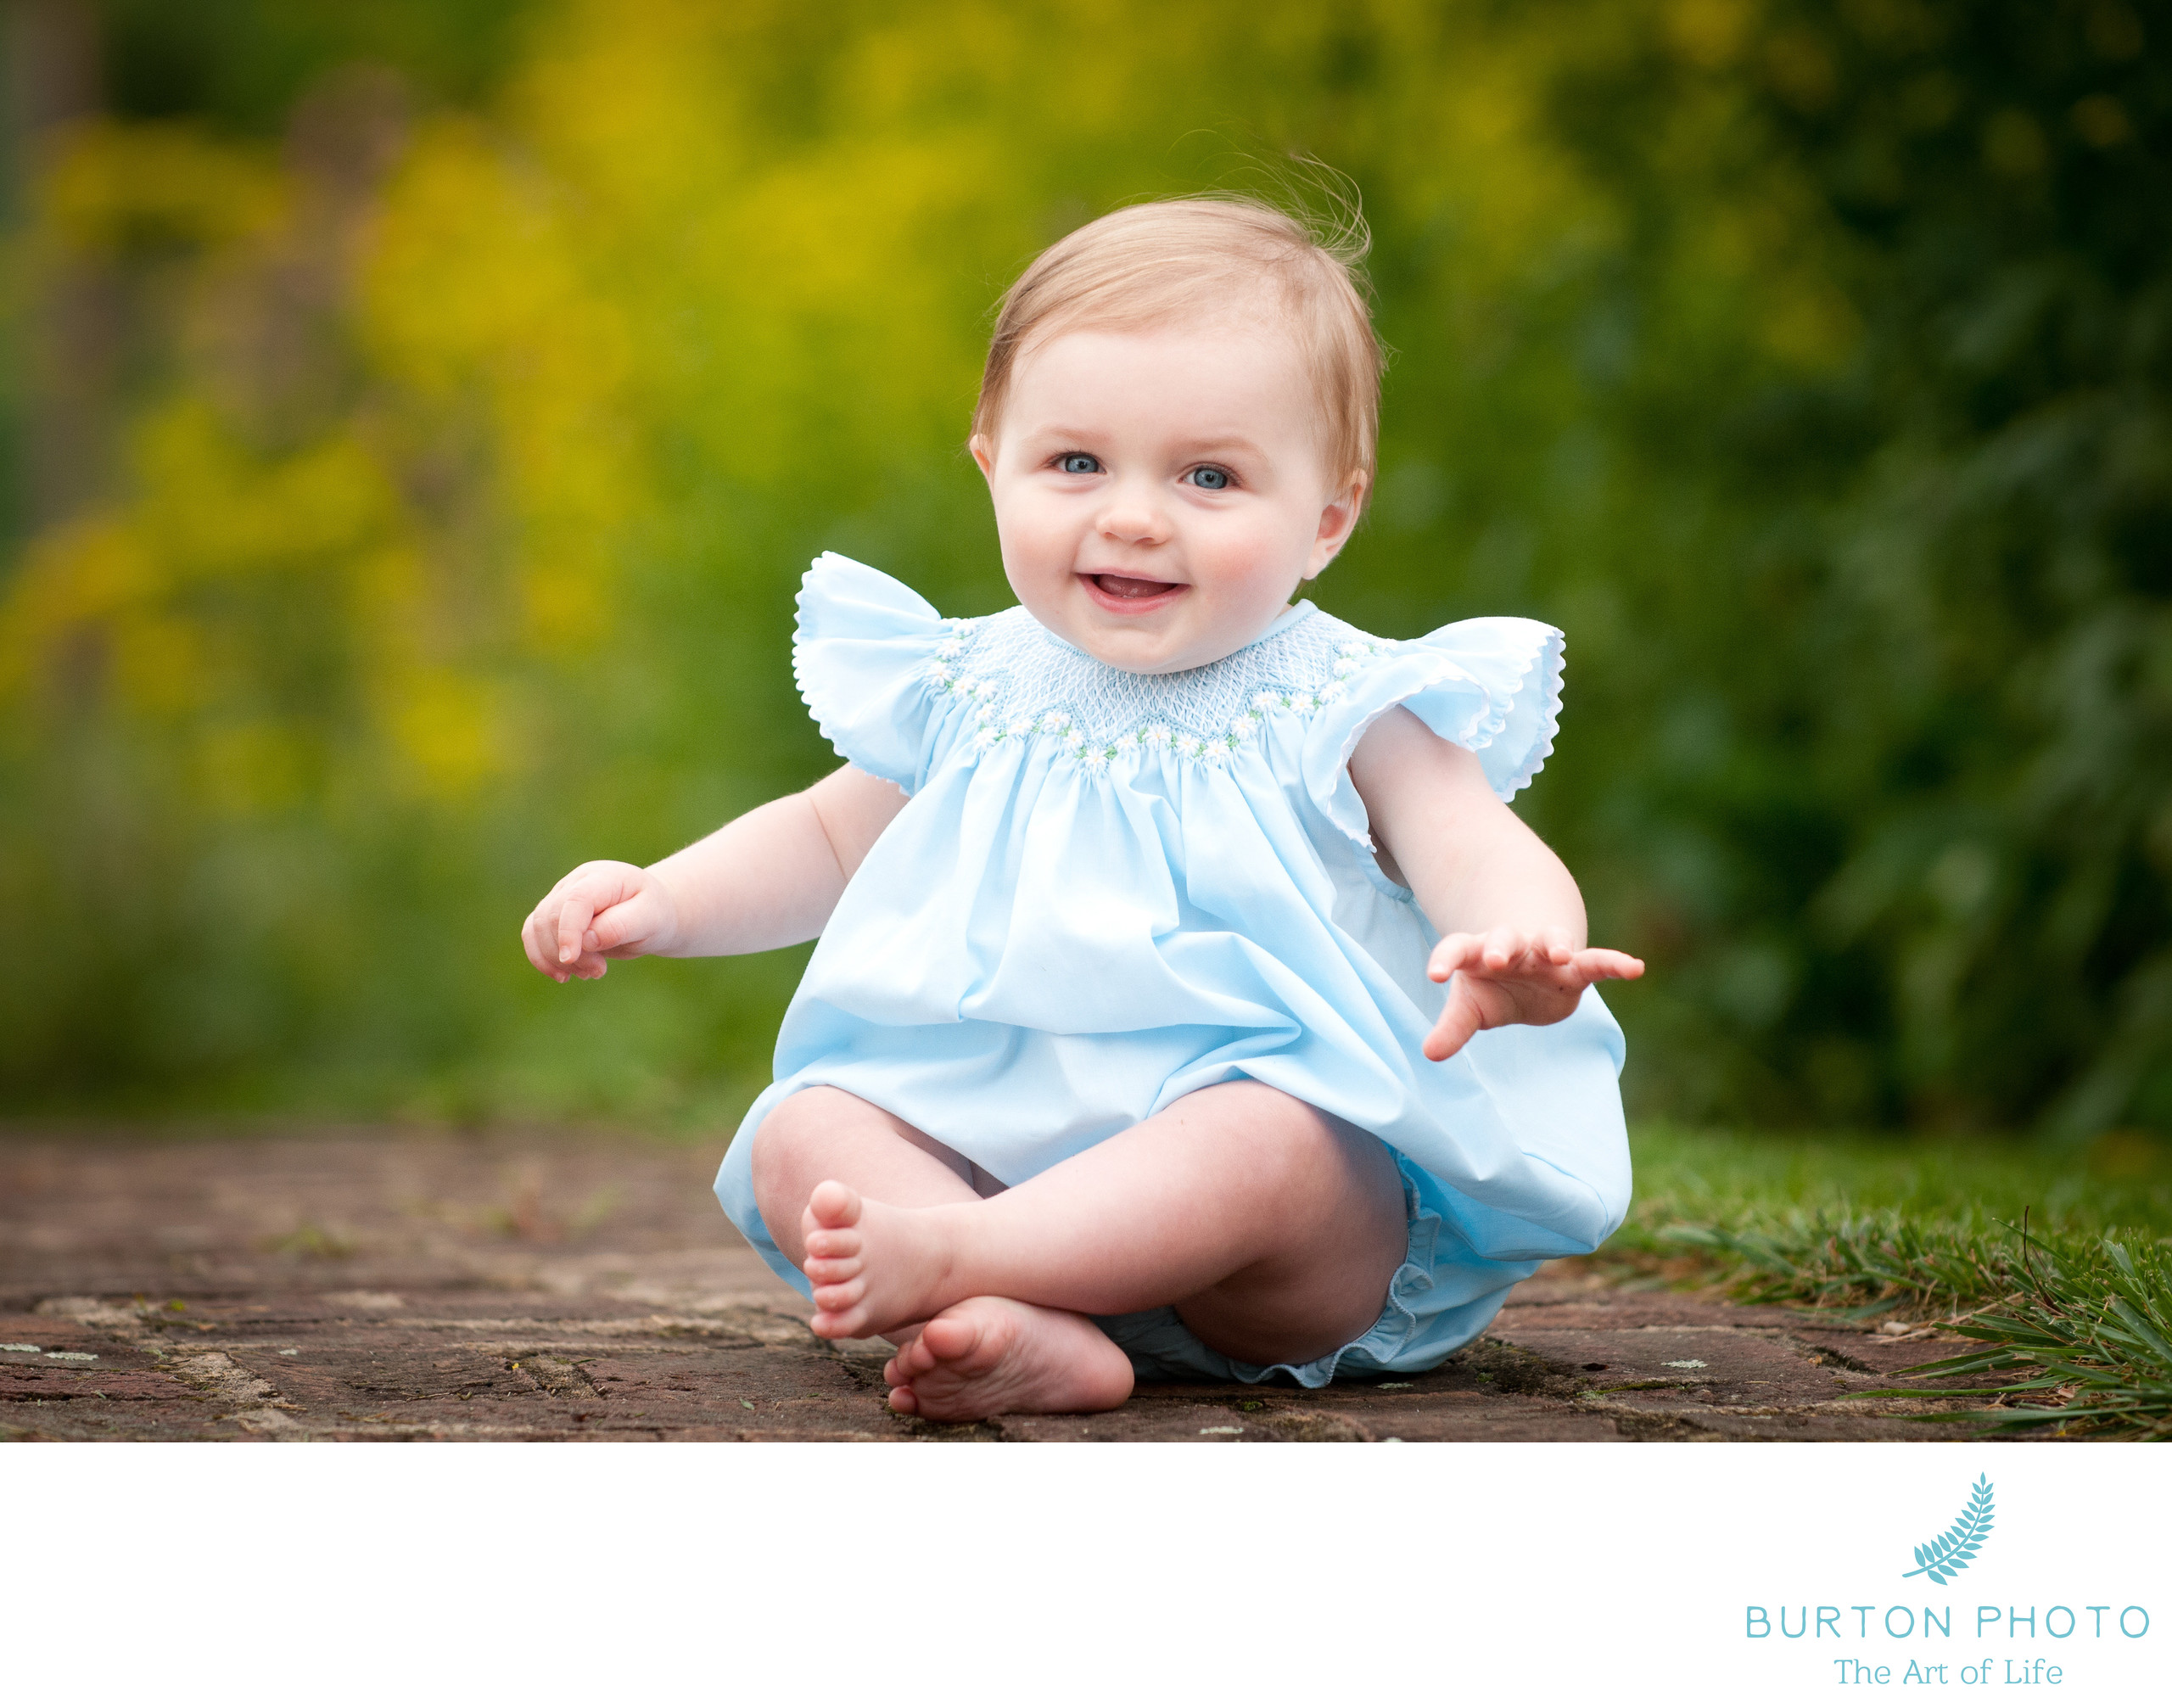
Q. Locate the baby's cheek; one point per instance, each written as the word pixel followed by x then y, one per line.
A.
pixel 1036 530
pixel 1249 579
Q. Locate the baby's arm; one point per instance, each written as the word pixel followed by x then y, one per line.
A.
pixel 765 879
pixel 1511 919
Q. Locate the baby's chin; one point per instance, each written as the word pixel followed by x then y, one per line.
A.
pixel 1148 645
pixel 1156 635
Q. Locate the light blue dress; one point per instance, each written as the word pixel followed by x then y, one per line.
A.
pixel 1108 890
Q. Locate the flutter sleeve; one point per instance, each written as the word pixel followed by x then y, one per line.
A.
pixel 1490 684
pixel 861 657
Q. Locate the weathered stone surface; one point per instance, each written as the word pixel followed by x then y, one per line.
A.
pixel 353 1285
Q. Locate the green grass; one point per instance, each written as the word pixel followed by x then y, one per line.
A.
pixel 2056 1259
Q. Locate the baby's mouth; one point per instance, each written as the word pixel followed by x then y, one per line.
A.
pixel 1131 589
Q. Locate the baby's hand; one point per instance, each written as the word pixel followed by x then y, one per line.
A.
pixel 603 910
pixel 1510 978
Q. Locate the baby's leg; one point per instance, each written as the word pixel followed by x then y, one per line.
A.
pixel 823 1134
pixel 982 1357
pixel 1273 1228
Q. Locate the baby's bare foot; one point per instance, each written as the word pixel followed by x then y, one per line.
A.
pixel 985 1357
pixel 874 1266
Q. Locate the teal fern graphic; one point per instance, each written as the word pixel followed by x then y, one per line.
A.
pixel 1954 1551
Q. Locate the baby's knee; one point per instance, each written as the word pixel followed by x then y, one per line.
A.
pixel 789 1134
pixel 1302 1138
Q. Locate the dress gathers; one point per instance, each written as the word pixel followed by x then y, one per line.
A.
pixel 1108 890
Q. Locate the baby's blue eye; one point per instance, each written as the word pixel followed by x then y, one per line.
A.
pixel 1079 462
pixel 1213 480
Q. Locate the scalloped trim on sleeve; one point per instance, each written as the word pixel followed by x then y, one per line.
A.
pixel 860 658
pixel 1492 685
pixel 1551 664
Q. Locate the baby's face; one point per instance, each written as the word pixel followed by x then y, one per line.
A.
pixel 1159 494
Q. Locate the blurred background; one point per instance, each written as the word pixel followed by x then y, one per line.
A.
pixel 415 416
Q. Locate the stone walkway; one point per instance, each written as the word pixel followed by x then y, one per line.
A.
pixel 350 1285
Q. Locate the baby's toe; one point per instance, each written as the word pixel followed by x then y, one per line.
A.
pixel 951 1339
pixel 833 1242
pixel 833 1204
pixel 839 1324
pixel 902 1399
pixel 832 1269
pixel 841 1296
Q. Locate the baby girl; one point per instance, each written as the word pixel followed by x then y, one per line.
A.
pixel 1124 1051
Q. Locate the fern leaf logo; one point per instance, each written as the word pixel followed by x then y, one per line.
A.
pixel 1954 1550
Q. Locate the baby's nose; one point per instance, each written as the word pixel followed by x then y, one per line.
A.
pixel 1134 519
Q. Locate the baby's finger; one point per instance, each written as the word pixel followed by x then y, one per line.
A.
pixel 1457 950
pixel 628 922
pixel 575 910
pixel 1505 946
pixel 531 944
pixel 538 938
pixel 1460 1019
pixel 1560 948
pixel 1595 964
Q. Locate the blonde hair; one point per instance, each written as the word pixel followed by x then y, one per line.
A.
pixel 1162 261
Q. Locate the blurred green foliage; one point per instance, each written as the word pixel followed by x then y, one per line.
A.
pixel 237 66
pixel 491 372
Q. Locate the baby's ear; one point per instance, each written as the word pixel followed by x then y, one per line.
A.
pixel 1338 520
pixel 983 454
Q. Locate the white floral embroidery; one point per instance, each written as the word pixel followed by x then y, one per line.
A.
pixel 1023 683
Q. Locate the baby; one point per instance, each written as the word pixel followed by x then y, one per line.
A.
pixel 1123 1051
